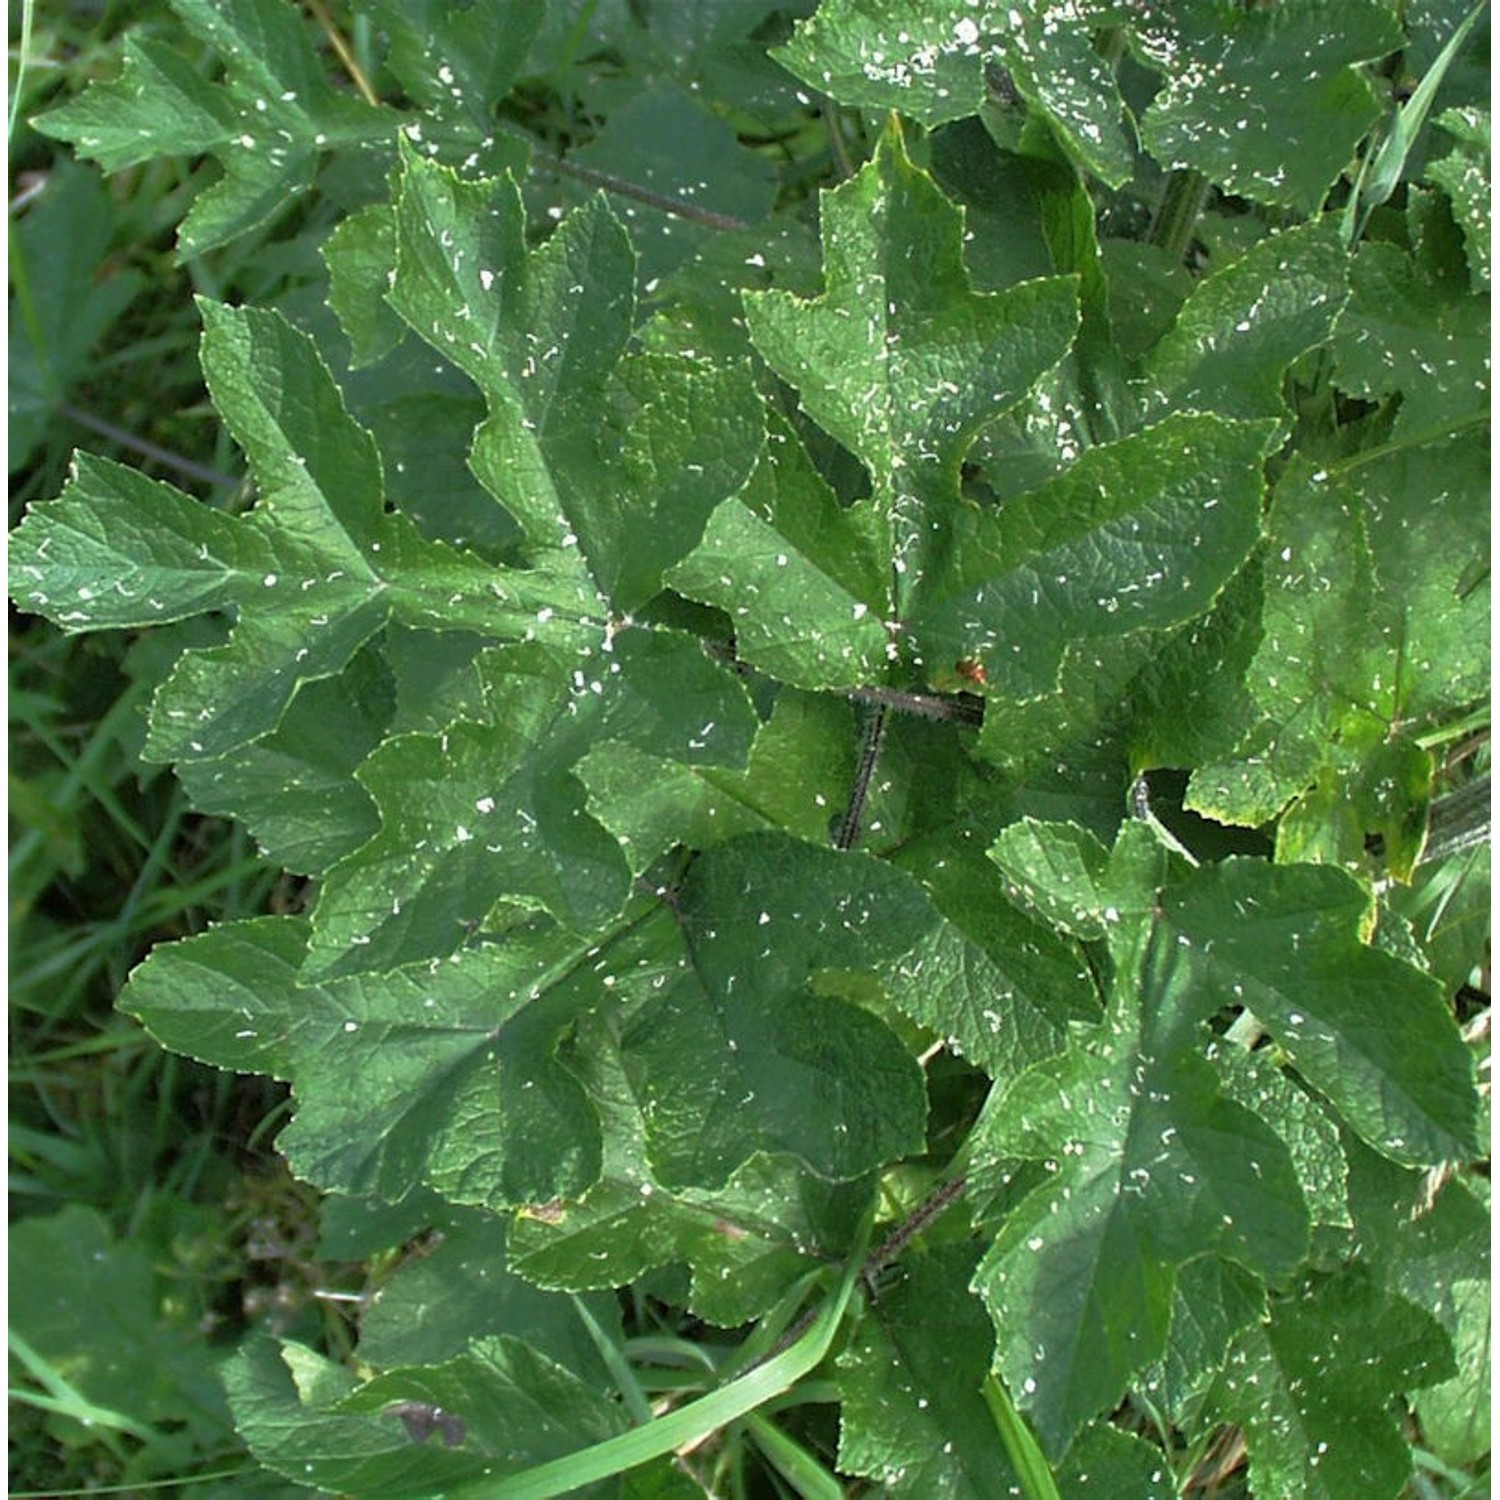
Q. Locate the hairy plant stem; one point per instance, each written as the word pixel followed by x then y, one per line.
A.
pixel 146 449
pixel 1110 43
pixel 836 141
pixel 962 708
pixel 677 207
pixel 1177 215
pixel 937 1202
pixel 869 756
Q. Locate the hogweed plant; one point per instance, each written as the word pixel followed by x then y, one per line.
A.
pixel 884 801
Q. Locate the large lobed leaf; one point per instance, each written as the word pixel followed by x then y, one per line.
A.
pixel 268 128
pixel 311 573
pixel 1266 102
pixel 899 360
pixel 581 955
pixel 1152 1160
pixel 495 1409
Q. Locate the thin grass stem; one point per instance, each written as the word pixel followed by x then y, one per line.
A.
pixel 147 449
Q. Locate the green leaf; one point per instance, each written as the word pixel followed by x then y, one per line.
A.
pixel 311 573
pixel 1084 719
pixel 930 61
pixel 540 352
pixel 1429 1240
pixel 1190 704
pixel 471 816
pixel 1054 66
pixel 800 770
pixel 818 1078
pixel 353 1228
pixel 1084 399
pixel 744 1244
pixel 913 1418
pixel 75 543
pixel 1464 174
pixel 119 550
pixel 742 1055
pixel 801 577
pixel 515 1404
pixel 437 677
pixel 423 416
pixel 1108 1461
pixel 649 803
pixel 691 434
pixel 1079 1282
pixel 999 988
pixel 267 128
pixel 1136 1182
pixel 501 815
pixel 1158 285
pixel 63 300
pixel 1370 622
pixel 1312 1388
pixel 313 464
pixel 359 254
pixel 1150 1164
pixel 1004 197
pixel 1060 873
pixel 1456 1414
pixel 1384 797
pixel 295 789
pixel 158 103
pixel 1311 1136
pixel 282 1397
pixel 1213 1301
pixel 1411 330
pixel 541 334
pixel 1371 1033
pixel 432 1307
pixel 925 62
pixel 1266 103
pixel 670 150
pixel 1038 1479
pixel 478 56
pixel 1138 534
pixel 500 1406
pixel 1244 325
pixel 461 1086
pixel 898 359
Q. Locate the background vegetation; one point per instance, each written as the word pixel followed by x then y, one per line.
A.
pixel 152 1223
pixel 151 1220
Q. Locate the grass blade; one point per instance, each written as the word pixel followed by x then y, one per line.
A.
pixel 693 1422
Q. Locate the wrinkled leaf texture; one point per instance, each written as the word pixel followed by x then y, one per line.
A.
pixel 581 953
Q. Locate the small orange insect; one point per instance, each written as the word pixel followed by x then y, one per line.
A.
pixel 971 671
